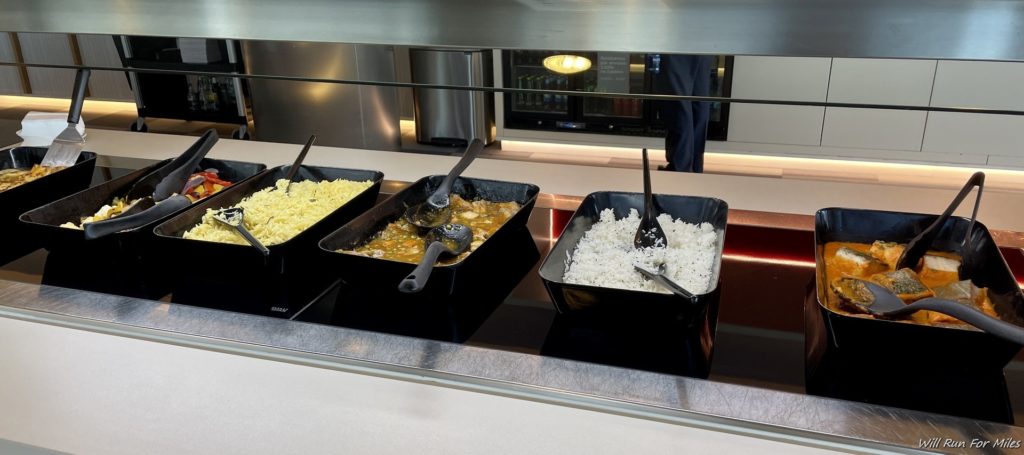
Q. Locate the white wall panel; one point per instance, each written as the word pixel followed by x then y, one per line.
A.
pixel 873 128
pixel 780 78
pixel 993 85
pixel 978 134
pixel 798 125
pixel 874 81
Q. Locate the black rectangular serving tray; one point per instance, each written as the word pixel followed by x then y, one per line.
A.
pixel 900 363
pixel 19 199
pixel 238 277
pixel 635 329
pixel 458 297
pixel 123 263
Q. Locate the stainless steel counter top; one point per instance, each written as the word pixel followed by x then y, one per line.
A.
pixel 807 420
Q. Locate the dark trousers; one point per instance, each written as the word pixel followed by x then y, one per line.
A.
pixel 686 122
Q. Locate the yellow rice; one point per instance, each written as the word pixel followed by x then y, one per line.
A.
pixel 274 217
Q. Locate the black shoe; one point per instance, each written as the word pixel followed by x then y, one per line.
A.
pixel 666 167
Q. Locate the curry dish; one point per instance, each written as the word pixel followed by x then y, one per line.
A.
pixel 10 178
pixel 401 241
pixel 937 275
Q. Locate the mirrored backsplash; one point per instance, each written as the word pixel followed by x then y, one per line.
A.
pixel 963 113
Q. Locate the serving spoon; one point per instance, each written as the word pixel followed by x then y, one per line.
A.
pixel 294 170
pixel 649 234
pixel 889 305
pixel 233 217
pixel 666 282
pixel 437 209
pixel 451 239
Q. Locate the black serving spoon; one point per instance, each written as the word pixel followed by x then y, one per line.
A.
pixel 649 234
pixel 451 239
pixel 666 282
pixel 233 217
pixel 156 194
pixel 889 305
pixel 294 170
pixel 919 246
pixel 437 209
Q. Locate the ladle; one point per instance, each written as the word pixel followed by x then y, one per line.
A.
pixel 889 305
pixel 649 234
pixel 437 208
pixel 451 239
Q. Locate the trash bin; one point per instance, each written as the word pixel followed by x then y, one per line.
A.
pixel 452 117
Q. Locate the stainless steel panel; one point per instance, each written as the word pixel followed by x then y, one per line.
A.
pixel 956 29
pixel 99 50
pixel 48 48
pixel 448 117
pixel 341 115
pixel 10 81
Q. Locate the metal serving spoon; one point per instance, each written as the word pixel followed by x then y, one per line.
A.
pixel 889 305
pixel 666 282
pixel 233 217
pixel 437 209
pixel 294 170
pixel 450 239
pixel 649 234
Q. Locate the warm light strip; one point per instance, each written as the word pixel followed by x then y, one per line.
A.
pixel 764 163
pixel 772 261
pixel 62 104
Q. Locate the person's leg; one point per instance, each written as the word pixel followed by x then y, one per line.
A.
pixel 671 113
pixel 678 72
pixel 702 109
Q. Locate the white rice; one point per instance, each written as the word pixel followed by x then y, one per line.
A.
pixel 605 255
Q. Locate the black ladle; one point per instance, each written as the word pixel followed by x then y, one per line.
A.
pixel 294 170
pixel 919 246
pixel 649 234
pixel 451 239
pixel 233 217
pixel 437 209
pixel 666 282
pixel 889 305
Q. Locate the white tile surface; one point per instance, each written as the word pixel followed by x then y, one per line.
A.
pixel 977 134
pixel 881 81
pixel 780 78
pixel 993 85
pixel 798 125
pixel 873 128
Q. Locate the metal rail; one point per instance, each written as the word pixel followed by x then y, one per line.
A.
pixel 654 97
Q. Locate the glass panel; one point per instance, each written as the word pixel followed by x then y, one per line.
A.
pixel 528 72
pixel 615 72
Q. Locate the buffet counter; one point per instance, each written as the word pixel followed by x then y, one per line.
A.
pixel 774 202
pixel 82 369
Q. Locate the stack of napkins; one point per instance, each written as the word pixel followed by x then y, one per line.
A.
pixel 38 129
